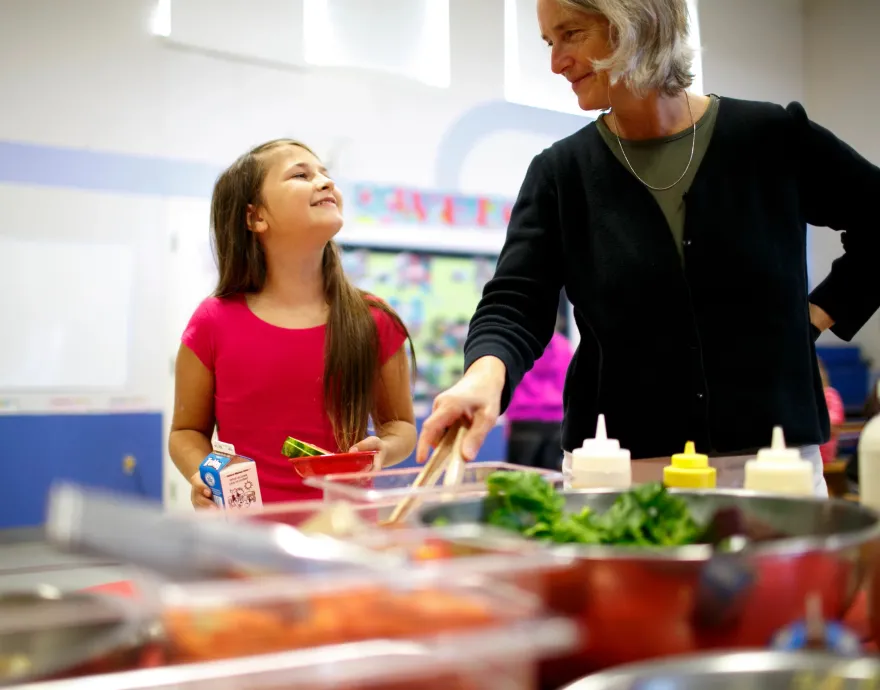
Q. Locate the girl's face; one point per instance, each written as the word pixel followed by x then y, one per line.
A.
pixel 299 200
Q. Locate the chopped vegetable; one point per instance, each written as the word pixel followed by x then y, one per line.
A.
pixel 294 448
pixel 647 515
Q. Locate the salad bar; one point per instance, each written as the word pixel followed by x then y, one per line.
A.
pixel 475 576
pixel 674 572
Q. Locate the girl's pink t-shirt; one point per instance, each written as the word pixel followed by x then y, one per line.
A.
pixel 837 416
pixel 269 385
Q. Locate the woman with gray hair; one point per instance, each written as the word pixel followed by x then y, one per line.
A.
pixel 677 225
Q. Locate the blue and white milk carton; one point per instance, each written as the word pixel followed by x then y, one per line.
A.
pixel 232 478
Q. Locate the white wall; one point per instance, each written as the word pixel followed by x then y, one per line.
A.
pixel 822 53
pixel 753 49
pixel 842 91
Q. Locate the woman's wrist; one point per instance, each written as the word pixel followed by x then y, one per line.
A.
pixel 490 370
pixel 820 319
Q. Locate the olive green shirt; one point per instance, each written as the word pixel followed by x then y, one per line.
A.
pixel 659 162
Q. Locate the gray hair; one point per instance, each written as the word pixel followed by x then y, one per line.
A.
pixel 651 49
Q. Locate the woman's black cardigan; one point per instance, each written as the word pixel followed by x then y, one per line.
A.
pixel 716 349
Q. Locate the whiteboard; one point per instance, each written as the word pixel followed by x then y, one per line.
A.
pixel 64 314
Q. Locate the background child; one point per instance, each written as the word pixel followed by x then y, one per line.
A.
pixel 534 416
pixel 287 346
pixel 836 414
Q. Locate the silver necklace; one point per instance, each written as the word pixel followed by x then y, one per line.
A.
pixel 690 160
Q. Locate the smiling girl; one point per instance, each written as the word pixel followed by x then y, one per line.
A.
pixel 286 346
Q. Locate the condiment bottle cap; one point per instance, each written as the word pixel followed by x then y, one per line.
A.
pixel 690 459
pixel 600 444
pixel 777 452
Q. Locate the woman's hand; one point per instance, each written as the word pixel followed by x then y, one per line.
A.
pixel 475 398
pixel 820 319
pixel 200 495
pixel 372 443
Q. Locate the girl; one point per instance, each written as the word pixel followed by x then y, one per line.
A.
pixel 287 346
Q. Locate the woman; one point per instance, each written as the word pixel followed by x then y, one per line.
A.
pixel 677 225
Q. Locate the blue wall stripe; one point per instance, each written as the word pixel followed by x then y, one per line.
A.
pixel 23 163
pixel 51 166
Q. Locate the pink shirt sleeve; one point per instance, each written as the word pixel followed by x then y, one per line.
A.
pixel 835 406
pixel 391 335
pixel 198 335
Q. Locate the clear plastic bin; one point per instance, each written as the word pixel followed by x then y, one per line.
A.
pixel 492 659
pixel 297 513
pixel 217 620
pixel 465 544
pixel 385 628
pixel 459 551
pixel 388 486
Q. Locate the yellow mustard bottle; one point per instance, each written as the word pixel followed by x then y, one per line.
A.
pixel 689 470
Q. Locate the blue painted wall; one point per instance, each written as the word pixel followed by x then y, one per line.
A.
pixel 88 449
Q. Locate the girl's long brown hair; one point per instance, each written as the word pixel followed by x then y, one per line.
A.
pixel 351 360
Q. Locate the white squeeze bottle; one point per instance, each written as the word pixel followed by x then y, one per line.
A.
pixel 601 463
pixel 869 462
pixel 779 470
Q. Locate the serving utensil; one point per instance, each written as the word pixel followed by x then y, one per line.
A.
pixel 446 460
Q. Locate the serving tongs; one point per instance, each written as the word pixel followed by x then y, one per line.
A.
pixel 186 547
pixel 446 460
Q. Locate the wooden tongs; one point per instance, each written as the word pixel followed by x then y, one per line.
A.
pixel 446 460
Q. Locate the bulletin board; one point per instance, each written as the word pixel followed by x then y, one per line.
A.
pixel 435 294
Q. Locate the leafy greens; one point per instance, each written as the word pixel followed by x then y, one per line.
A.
pixel 647 515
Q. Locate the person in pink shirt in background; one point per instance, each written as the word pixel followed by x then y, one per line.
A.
pixel 534 417
pixel 835 413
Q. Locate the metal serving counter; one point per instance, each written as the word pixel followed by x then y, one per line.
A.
pixel 26 560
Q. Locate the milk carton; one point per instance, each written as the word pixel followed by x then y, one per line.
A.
pixel 232 479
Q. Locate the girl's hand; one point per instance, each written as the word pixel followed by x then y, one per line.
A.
pixel 372 443
pixel 200 495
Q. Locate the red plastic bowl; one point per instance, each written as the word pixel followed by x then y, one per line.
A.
pixel 337 463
